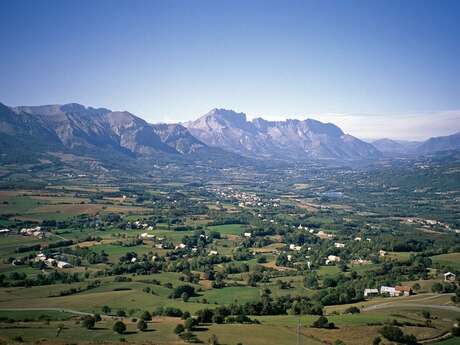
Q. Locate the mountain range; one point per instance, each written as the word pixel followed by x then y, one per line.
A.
pixel 36 131
pixel 293 139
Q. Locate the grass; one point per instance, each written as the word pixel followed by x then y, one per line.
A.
pixel 19 315
pixel 451 341
pixel 449 260
pixel 228 229
pixel 328 271
pixel 230 294
pixel 160 331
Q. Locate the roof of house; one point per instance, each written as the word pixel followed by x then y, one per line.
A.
pixel 449 274
pixel 403 288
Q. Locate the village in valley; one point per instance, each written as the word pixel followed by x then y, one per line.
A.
pixel 172 258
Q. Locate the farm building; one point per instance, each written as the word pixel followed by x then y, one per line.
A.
pixel 403 290
pixel 449 277
pixel 371 292
pixel 388 290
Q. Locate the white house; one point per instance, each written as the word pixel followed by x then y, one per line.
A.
pixel 63 264
pixel 382 252
pixel 247 234
pixel 4 231
pixel 371 292
pixel 388 290
pixel 339 245
pixel 358 239
pixel 332 258
pixel 449 277
pixel 213 252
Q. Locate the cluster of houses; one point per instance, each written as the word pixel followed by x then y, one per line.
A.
pixel 36 231
pixel 392 291
pixel 51 262
pixel 244 199
pixel 139 225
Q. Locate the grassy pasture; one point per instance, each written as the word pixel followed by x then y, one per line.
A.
pixel 450 260
pixel 228 229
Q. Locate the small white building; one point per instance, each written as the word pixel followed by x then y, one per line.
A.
pixel 371 292
pixel 4 231
pixel 213 252
pixel 339 245
pixel 63 264
pixel 247 234
pixel 332 258
pixel 382 252
pixel 449 277
pixel 388 290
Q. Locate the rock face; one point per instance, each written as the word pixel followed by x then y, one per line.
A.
pixel 28 130
pixel 178 137
pixel 292 139
pixel 445 143
pixel 73 126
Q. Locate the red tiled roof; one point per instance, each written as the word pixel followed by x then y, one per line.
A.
pixel 403 288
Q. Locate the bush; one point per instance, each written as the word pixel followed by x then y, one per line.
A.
pixel 189 337
pixel 190 323
pixel 352 310
pixel 323 322
pixel 179 329
pixel 146 316
pixel 88 322
pixel 119 327
pixel 141 325
pixel 394 333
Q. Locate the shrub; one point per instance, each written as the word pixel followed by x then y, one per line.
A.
pixel 146 316
pixel 141 325
pixel 352 310
pixel 394 333
pixel 88 322
pixel 323 322
pixel 119 327
pixel 179 329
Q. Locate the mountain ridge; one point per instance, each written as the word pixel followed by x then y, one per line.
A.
pixel 219 133
pixel 292 138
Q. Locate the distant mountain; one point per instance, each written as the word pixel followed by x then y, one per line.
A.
pixel 436 144
pixel 389 146
pixel 38 131
pixel 178 137
pixel 78 127
pixel 290 139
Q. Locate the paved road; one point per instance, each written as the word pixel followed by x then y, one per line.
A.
pixel 416 305
pixel 71 311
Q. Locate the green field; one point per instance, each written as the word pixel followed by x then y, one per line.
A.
pixel 450 260
pixel 228 229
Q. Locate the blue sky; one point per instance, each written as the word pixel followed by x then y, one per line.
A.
pixel 349 62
